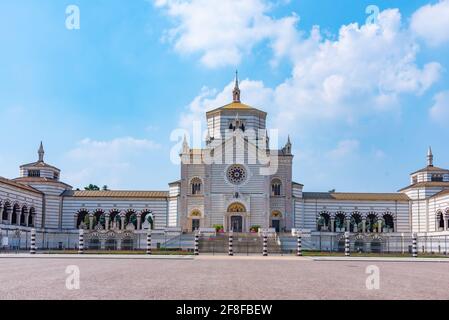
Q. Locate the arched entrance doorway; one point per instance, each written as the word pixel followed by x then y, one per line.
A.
pixel 276 217
pixel 236 221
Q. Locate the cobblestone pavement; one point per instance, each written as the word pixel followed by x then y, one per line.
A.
pixel 231 278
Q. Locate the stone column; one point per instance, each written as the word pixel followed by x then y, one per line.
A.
pixel 106 227
pixel 1 213
pixel 27 216
pixel 348 224
pixel 139 225
pixel 332 228
pixel 18 217
pixel 395 225
pixel 91 222
pixel 445 223
pixel 379 225
pixel 364 225
pixel 10 216
pixel 122 223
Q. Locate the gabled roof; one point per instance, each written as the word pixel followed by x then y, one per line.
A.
pixel 115 194
pixel 18 185
pixel 349 196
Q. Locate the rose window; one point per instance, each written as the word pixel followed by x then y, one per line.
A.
pixel 236 174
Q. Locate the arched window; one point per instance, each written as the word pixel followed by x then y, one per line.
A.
pixel 356 222
pixel 6 209
pixel 196 186
pixel 82 218
pixel 23 214
pixel 371 222
pixel 340 222
pixel 276 186
pixel 15 211
pixel 114 219
pixel 99 219
pixel 440 221
pixel 323 221
pixel 388 221
pixel 31 217
pixel 131 217
pixel 147 217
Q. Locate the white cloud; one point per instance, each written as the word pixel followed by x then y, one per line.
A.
pixel 336 80
pixel 105 162
pixel 440 110
pixel 344 148
pixel 223 31
pixel 431 22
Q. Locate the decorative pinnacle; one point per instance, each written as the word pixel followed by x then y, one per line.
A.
pixel 430 157
pixel 236 91
pixel 41 152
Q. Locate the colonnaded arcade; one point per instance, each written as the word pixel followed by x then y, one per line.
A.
pixel 239 195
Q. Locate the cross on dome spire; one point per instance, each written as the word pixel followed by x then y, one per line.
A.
pixel 236 91
pixel 41 153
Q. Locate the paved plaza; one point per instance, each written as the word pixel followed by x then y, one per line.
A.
pixel 220 277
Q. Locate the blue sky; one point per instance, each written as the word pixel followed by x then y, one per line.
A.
pixel 361 103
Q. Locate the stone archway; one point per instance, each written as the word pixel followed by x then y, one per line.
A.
pixel 276 221
pixel 236 218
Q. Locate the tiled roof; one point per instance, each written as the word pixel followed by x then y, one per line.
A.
pixel 40 180
pixel 348 196
pixel 430 169
pixel 18 185
pixel 236 106
pixel 116 194
pixel 39 164
pixel 428 184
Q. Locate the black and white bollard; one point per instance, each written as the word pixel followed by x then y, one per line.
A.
pixel 33 242
pixel 231 249
pixel 81 242
pixel 347 243
pixel 415 246
pixel 149 242
pixel 197 244
pixel 299 244
pixel 265 245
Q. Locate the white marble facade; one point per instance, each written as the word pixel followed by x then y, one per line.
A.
pixel 234 181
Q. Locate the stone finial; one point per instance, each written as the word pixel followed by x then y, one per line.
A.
pixel 236 91
pixel 430 157
pixel 41 153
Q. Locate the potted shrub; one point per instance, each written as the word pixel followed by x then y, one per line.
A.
pixel 254 229
pixel 219 228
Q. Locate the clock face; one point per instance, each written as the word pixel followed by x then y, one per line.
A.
pixel 236 174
